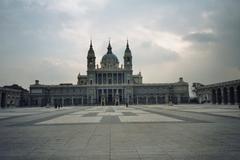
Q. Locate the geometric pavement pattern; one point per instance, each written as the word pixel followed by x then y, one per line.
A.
pixel 111 114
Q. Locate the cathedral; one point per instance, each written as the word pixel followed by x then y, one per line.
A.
pixel 109 84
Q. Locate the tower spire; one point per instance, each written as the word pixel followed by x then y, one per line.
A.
pixel 91 57
pixel 91 51
pixel 127 57
pixel 91 43
pixel 127 50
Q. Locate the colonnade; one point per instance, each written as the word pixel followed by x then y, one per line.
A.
pixel 159 99
pixel 109 78
pixel 147 99
pixel 226 95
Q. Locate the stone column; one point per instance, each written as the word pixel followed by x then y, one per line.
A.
pixel 39 101
pixel 216 97
pixel 156 98
pixel 62 101
pixel 107 96
pixel 122 78
pixel 102 78
pixel 91 100
pixel 178 99
pixel 127 98
pixel 222 93
pixel 52 100
pixel 166 98
pixel 117 77
pixel 238 97
pixel 96 78
pixel 221 96
pixel 229 95
pixel 112 78
pixel 119 81
pixel 235 95
pixel 106 78
pixel 0 99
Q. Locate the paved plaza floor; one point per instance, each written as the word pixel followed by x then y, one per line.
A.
pixel 142 132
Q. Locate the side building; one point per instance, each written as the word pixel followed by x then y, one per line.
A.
pixel 218 93
pixel 109 84
pixel 13 96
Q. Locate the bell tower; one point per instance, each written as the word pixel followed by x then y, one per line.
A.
pixel 127 58
pixel 91 58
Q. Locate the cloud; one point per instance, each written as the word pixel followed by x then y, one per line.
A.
pixel 148 53
pixel 200 37
pixel 75 7
pixel 195 39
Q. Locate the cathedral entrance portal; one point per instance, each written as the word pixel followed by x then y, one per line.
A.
pixel 116 100
pixel 109 96
pixel 103 100
pixel 110 100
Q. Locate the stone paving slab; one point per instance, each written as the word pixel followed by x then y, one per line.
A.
pixel 16 112
pixel 69 119
pixel 229 114
pixel 110 119
pixel 219 110
pixel 148 118
pixel 91 114
pixel 110 114
pixel 10 115
pixel 129 114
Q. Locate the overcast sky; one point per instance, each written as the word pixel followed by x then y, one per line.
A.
pixel 48 40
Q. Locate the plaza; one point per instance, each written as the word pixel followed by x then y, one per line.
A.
pixel 119 80
pixel 138 132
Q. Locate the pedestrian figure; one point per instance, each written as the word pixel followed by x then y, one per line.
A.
pixel 239 106
pixel 126 105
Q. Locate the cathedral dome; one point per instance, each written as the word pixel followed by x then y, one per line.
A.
pixel 109 59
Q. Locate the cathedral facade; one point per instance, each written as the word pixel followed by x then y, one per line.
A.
pixel 109 84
